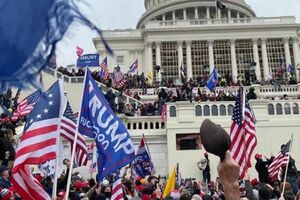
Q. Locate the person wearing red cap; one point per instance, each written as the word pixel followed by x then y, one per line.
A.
pixel 6 194
pixel 262 168
pixel 204 166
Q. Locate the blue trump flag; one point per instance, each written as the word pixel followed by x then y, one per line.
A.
pixel 88 60
pixel 143 165
pixel 212 80
pixel 97 120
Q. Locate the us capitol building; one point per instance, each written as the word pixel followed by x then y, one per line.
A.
pixel 201 37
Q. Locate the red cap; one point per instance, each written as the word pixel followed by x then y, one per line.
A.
pixel 257 156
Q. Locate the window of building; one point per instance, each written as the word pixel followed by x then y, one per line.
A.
pixel 134 126
pixel 129 126
pixel 214 110
pixel 279 109
pixel 222 110
pixel 275 52
pixel 172 111
pixel 222 56
pixel 295 109
pixel 287 109
pixel 163 125
pixel 200 60
pixel 188 141
pixel 271 109
pixel 145 125
pixel 244 57
pixel 157 125
pixel 169 60
pixel 230 109
pixel 140 125
pixel 151 125
pixel 198 110
pixel 120 59
pixel 206 110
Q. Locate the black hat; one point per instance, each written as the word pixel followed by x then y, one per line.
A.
pixel 264 193
pixel 214 138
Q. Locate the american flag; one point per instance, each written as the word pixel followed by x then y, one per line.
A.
pixel 104 73
pixel 68 131
pixel 117 189
pixel 279 161
pixel 91 151
pixel 39 142
pixel 242 133
pixel 117 74
pixel 26 105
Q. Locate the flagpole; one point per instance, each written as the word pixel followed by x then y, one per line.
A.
pixel 92 168
pixel 147 146
pixel 54 190
pixel 75 139
pixel 287 165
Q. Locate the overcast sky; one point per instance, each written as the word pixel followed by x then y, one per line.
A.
pixel 120 14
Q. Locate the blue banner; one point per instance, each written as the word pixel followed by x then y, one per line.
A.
pixel 97 120
pixel 88 60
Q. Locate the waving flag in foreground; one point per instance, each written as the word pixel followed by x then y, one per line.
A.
pixel 143 164
pixel 97 120
pixel 68 131
pixel 26 105
pixel 133 67
pixel 279 161
pixel 242 133
pixel 170 183
pixel 117 188
pixel 39 142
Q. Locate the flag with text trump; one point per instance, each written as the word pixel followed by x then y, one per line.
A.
pixel 242 133
pixel 39 143
pixel 114 145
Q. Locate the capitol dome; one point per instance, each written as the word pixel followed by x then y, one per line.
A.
pixel 164 10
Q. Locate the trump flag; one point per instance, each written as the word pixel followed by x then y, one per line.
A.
pixel 114 145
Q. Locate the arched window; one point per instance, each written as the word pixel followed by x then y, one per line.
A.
pixel 214 110
pixel 157 125
pixel 129 126
pixel 140 125
pixel 172 111
pixel 151 125
pixel 279 109
pixel 134 126
pixel 163 125
pixel 206 110
pixel 295 109
pixel 271 109
pixel 145 125
pixel 222 110
pixel 198 110
pixel 230 109
pixel 287 109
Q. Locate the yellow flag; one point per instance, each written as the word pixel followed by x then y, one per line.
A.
pixel 150 77
pixel 171 183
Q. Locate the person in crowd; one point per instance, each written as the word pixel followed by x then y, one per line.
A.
pixel 6 194
pixel 262 168
pixel 292 175
pixel 4 177
pixel 110 97
pixel 204 166
pixel 251 94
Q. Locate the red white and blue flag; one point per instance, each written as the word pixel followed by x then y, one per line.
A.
pixel 118 80
pixel 39 143
pixel 133 67
pixel 117 189
pixel 143 165
pixel 91 151
pixel 104 73
pixel 242 133
pixel 68 131
pixel 26 105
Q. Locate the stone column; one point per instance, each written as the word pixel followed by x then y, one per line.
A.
pixel 229 13
pixel 196 13
pixel 219 14
pixel 296 52
pixel 173 16
pixel 211 55
pixel 180 57
pixel 189 60
pixel 265 59
pixel 233 60
pixel 158 60
pixel 287 53
pixel 238 15
pixel 256 59
pixel 149 58
pixel 207 13
pixel 164 17
pixel 184 14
